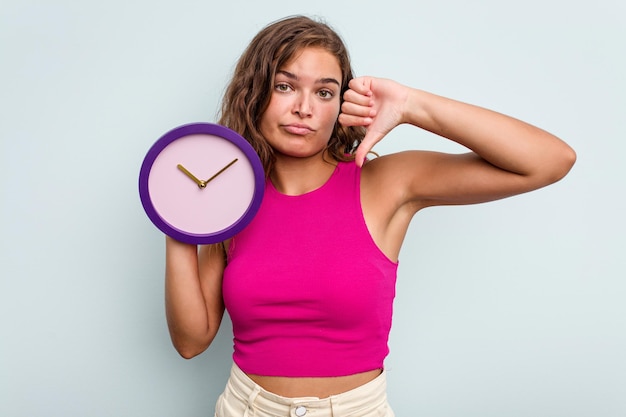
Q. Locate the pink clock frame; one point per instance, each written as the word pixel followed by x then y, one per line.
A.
pixel 190 133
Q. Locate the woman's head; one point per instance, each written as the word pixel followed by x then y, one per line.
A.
pixel 249 92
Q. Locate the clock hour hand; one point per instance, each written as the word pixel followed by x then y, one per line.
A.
pixel 200 183
pixel 220 171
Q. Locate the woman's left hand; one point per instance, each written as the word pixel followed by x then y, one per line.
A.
pixel 375 103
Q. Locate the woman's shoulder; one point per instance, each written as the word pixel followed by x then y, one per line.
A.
pixel 396 165
pixel 388 176
pixel 403 176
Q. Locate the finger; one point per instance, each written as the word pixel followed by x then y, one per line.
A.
pixel 352 96
pixel 361 154
pixel 368 142
pixel 361 85
pixel 357 110
pixel 354 120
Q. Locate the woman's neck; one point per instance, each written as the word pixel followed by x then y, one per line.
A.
pixel 297 176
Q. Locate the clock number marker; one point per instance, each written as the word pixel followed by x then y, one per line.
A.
pixel 220 171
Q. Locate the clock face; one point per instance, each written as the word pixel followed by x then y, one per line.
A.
pixel 201 183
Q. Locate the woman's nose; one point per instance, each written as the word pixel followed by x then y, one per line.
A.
pixel 302 106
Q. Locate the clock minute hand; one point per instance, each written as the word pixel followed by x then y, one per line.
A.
pixel 200 183
pixel 220 171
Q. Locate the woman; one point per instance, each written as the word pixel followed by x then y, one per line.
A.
pixel 309 284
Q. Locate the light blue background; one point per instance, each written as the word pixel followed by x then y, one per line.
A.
pixel 513 308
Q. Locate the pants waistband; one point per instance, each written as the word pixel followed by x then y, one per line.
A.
pixel 369 396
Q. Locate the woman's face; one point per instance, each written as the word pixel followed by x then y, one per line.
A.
pixel 304 105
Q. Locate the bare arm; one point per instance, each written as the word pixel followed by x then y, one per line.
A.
pixel 193 295
pixel 508 156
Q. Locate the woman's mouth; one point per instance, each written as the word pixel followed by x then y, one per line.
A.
pixel 298 129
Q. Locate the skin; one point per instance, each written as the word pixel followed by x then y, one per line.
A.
pixel 507 157
pixel 299 120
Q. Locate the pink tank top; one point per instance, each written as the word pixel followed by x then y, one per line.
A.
pixel 308 291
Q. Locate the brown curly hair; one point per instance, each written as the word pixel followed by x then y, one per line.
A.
pixel 247 96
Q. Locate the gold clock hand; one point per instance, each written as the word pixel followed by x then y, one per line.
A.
pixel 220 171
pixel 200 183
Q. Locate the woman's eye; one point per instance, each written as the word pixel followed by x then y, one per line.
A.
pixel 325 94
pixel 282 87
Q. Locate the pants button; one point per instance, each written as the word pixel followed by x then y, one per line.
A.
pixel 300 411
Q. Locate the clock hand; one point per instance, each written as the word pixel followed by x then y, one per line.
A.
pixel 220 171
pixel 200 183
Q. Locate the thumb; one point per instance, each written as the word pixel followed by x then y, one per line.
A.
pixel 371 138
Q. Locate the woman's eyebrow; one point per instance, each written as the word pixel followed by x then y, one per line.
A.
pixel 325 80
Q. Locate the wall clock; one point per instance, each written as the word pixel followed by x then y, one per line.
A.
pixel 201 183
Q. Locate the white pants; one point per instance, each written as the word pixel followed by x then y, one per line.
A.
pixel 244 398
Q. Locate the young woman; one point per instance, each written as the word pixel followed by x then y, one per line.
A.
pixel 309 284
